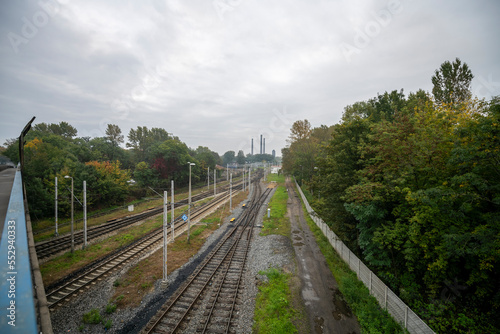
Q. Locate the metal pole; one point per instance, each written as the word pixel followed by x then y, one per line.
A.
pixel 243 179
pixel 84 214
pixel 215 182
pixel 57 232
pixel 249 180
pixel 189 203
pixel 172 212
pixel 165 204
pixel 208 178
pixel 231 193
pixel 72 218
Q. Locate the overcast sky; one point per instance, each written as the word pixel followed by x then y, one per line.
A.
pixel 217 73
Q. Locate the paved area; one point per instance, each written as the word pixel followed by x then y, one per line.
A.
pixel 6 180
pixel 325 305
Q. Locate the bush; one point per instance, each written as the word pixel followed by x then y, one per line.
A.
pixel 92 317
pixel 108 324
pixel 110 308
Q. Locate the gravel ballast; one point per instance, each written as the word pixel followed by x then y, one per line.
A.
pixel 266 252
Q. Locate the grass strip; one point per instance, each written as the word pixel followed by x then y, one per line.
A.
pixel 273 311
pixel 278 223
pixel 372 318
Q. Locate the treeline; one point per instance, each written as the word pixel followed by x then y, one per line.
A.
pixel 152 158
pixel 412 185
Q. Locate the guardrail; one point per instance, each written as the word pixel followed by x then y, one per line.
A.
pixel 17 305
pixel 385 297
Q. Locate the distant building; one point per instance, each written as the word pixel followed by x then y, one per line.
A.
pixel 274 153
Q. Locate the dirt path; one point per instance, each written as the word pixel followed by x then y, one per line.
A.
pixel 327 310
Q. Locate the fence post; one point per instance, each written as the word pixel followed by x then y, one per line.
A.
pixel 370 288
pixel 385 298
pixel 406 316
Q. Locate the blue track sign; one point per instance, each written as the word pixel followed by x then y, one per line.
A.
pixel 184 217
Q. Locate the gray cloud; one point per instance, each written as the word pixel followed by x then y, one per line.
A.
pixel 217 73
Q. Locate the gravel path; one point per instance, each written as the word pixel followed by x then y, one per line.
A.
pixel 266 252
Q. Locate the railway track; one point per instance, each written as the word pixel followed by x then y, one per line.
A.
pixel 104 268
pixel 48 248
pixel 96 215
pixel 210 295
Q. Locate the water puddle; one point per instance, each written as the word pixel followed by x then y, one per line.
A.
pixel 318 325
pixel 341 307
pixel 298 244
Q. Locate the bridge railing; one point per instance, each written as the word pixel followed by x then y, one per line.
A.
pixel 385 297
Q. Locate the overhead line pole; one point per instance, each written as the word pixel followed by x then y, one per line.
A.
pixel 231 193
pixel 57 233
pixel 84 214
pixel 172 212
pixel 165 241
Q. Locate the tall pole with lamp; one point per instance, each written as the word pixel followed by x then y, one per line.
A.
pixel 189 202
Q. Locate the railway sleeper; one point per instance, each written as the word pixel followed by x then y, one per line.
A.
pixel 218 327
pixel 219 313
pixel 220 308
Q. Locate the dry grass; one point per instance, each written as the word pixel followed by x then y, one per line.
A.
pixel 65 264
pixel 139 280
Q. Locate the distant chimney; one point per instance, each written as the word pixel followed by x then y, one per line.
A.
pixel 260 144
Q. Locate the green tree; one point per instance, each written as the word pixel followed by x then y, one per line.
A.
pixel 452 82
pixel 240 158
pixel 228 157
pixel 62 129
pixel 170 160
pixel 138 141
pixel 114 137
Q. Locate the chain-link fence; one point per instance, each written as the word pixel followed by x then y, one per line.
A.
pixel 385 297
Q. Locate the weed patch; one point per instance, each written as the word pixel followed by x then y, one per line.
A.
pixel 278 223
pixel 92 317
pixel 273 310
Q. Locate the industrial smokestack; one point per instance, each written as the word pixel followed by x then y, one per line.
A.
pixel 260 144
pixel 264 146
